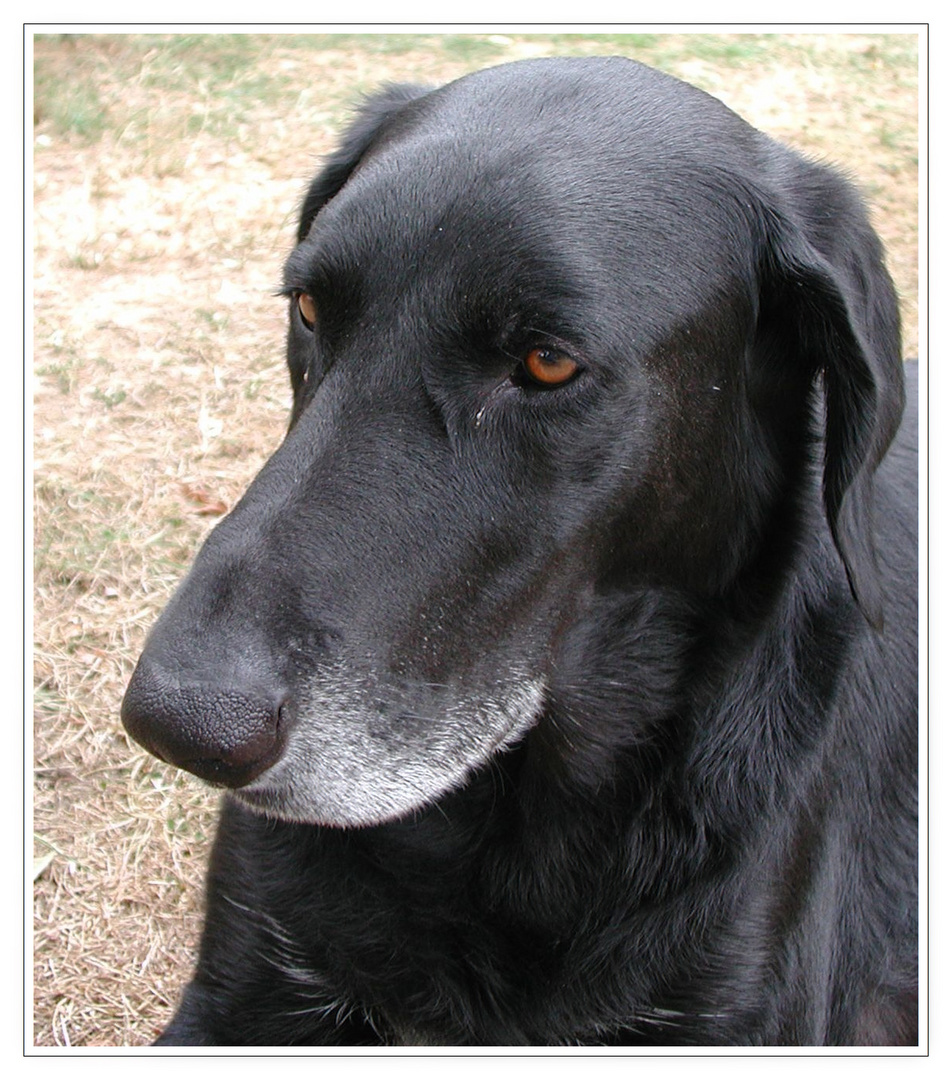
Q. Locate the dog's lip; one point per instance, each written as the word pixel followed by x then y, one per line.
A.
pixel 288 790
pixel 258 796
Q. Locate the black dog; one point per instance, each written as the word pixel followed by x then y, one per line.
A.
pixel 562 661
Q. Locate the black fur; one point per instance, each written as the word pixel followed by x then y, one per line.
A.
pixel 571 714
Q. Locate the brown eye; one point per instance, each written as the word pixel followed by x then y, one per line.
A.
pixel 308 309
pixel 548 367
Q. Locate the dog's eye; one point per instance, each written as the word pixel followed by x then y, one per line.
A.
pixel 308 309
pixel 549 367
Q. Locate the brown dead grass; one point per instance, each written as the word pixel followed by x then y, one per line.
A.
pixel 159 391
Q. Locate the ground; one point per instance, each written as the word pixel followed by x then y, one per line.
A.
pixel 167 171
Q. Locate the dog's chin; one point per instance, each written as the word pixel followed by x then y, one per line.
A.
pixel 331 809
pixel 350 766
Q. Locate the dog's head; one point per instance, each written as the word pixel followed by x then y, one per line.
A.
pixel 556 332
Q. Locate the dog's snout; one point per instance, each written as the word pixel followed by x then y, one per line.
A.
pixel 225 735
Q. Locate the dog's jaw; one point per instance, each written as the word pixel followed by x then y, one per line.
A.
pixel 362 752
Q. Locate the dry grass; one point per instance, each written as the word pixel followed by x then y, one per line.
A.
pixel 167 171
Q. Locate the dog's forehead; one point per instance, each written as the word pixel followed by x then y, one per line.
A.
pixel 433 219
pixel 569 178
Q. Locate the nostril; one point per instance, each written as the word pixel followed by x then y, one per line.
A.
pixel 283 716
pixel 227 735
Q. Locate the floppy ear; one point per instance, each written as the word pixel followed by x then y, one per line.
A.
pixel 373 117
pixel 831 291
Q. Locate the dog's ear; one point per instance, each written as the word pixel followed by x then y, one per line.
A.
pixel 372 118
pixel 829 290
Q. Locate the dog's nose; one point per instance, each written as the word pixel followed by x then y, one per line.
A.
pixel 226 736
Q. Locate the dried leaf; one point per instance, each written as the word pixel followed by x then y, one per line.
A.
pixel 40 864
